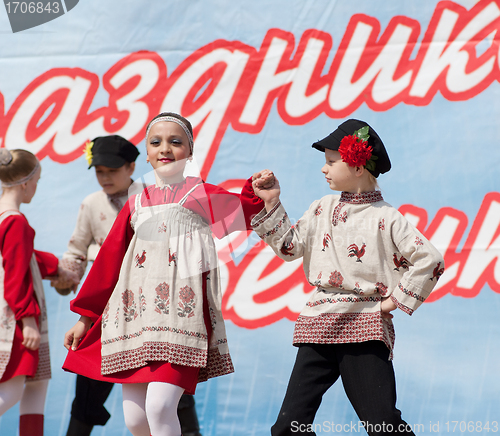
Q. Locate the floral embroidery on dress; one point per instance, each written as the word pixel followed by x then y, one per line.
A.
pixel 142 301
pixel 162 299
pixel 117 317
pixel 139 260
pixel 318 210
pixel 213 318
pixel 418 241
pixel 162 228
pixel 336 279
pixel 105 316
pixel 129 305
pixel 187 303
pixel 381 224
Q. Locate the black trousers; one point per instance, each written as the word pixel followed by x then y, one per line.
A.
pixel 90 396
pixel 369 382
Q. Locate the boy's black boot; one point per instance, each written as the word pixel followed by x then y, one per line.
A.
pixel 188 418
pixel 78 428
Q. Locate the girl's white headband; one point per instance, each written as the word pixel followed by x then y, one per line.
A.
pixel 173 120
pixel 23 180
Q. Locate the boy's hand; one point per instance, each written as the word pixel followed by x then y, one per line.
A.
pixel 266 187
pixel 67 279
pixel 386 307
pixel 263 179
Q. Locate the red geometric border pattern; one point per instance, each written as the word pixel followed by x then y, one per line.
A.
pixel 155 329
pixel 363 198
pixel 342 328
pixel 217 365
pixel 153 351
pixel 43 371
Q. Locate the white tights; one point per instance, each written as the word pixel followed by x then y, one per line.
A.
pixel 31 395
pixel 151 408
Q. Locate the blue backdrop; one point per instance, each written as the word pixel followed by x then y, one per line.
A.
pixel 261 81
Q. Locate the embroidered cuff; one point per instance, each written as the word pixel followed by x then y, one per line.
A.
pixel 408 296
pixel 401 306
pixel 262 216
pixel 273 226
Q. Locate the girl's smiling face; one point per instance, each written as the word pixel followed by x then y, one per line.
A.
pixel 168 149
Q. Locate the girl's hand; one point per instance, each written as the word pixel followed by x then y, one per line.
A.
pixel 74 335
pixel 386 307
pixel 266 186
pixel 31 334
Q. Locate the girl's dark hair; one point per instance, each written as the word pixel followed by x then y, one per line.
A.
pixel 173 114
pixel 23 163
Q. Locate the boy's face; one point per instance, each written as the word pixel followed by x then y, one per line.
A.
pixel 339 175
pixel 114 180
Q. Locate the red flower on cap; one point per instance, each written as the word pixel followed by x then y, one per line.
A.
pixel 354 149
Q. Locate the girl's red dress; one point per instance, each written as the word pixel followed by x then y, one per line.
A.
pixel 16 246
pixel 217 207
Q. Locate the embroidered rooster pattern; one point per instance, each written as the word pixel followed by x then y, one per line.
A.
pixel 399 262
pixel 139 260
pixel 355 251
pixel 286 248
pixel 326 241
pixel 172 257
pixel 438 272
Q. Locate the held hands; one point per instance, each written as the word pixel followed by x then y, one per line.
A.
pixel 31 334
pixel 74 335
pixel 66 281
pixel 266 186
pixel 386 307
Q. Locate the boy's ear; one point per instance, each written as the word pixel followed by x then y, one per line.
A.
pixel 131 167
pixel 359 171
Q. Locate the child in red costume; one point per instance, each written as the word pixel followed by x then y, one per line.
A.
pixel 153 292
pixel 24 348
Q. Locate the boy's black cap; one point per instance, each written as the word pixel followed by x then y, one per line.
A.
pixel 112 151
pixel 332 142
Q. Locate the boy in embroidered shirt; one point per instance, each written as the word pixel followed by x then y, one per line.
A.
pixel 366 260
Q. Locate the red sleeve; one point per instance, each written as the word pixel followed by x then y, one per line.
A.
pixel 103 275
pixel 226 211
pixel 16 238
pixel 47 263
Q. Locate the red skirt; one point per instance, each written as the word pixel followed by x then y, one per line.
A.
pixel 86 361
pixel 22 361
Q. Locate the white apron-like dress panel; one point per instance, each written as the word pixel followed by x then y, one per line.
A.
pixel 155 312
pixel 8 320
